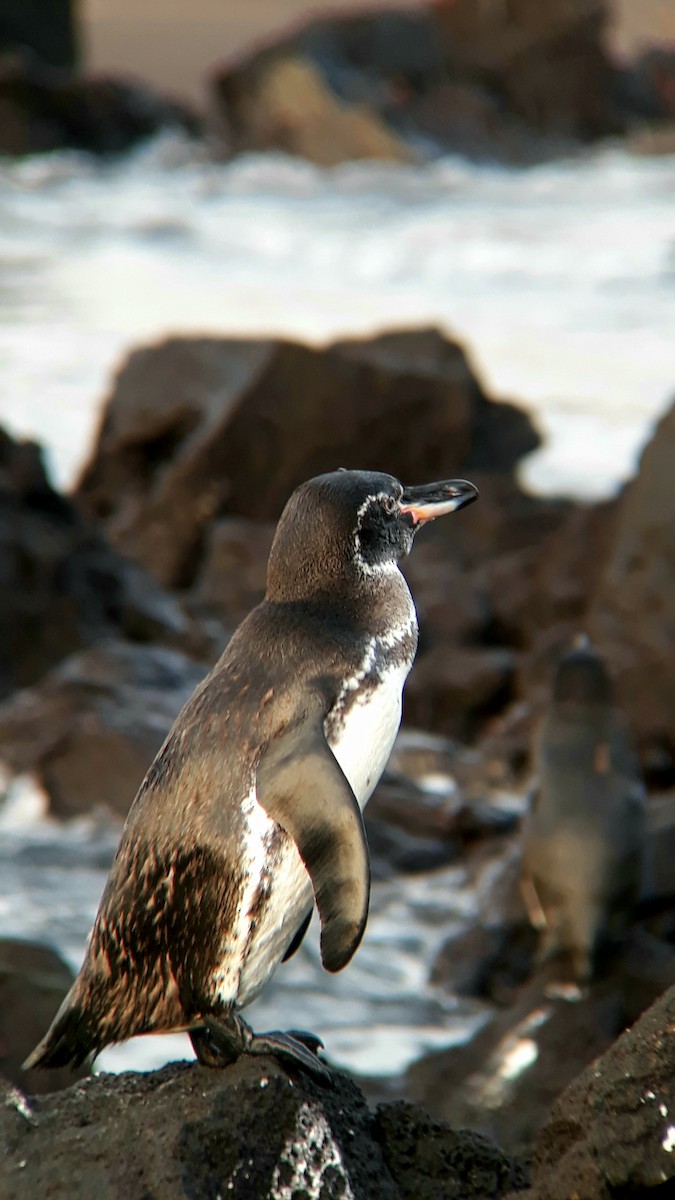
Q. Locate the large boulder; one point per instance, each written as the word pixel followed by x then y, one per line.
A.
pixel 632 612
pixel 251 1132
pixel 612 1133
pixel 62 586
pixel 197 428
pixel 290 106
pixel 455 75
pixel 504 1082
pixel 46 27
pixel 43 108
pixel 88 731
pixel 33 982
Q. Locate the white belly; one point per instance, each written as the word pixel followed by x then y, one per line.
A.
pixel 366 738
pixel 362 745
pixel 248 961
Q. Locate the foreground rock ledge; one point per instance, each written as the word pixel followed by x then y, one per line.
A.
pixel 249 1132
pixel 612 1132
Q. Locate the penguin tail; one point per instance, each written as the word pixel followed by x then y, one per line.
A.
pixel 67 1042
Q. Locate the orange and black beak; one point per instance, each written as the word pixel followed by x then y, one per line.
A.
pixel 432 500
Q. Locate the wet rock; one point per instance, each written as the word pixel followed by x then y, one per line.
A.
pixel 539 593
pixel 427 1159
pixel 660 847
pixel 90 729
pixel 393 851
pixel 481 79
pixel 62 586
pixel 545 62
pixel 233 573
pixel 505 1081
pixel 632 612
pixel 453 689
pixel 33 982
pixel 201 428
pixel 647 87
pixel 46 27
pixel 249 1131
pixel 286 104
pixel 44 109
pixel 612 1133
pixel 488 962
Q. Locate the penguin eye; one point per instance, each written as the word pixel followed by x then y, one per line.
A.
pixel 389 505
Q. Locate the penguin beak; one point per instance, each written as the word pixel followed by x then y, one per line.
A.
pixel 432 500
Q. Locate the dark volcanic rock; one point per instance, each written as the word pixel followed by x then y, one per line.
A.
pixel 233 574
pixel 285 103
pixel 488 78
pixel 632 614
pixel 249 1132
pixel 33 982
pixel 505 1081
pixel 90 729
pixel 62 585
pixel 453 689
pixel 428 1160
pixel 43 109
pixel 46 27
pixel 611 1133
pixel 197 428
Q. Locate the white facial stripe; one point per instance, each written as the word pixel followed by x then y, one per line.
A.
pixel 389 566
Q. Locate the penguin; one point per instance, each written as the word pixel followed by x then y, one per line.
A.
pixel 251 812
pixel 584 835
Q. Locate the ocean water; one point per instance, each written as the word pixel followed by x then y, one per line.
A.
pixel 560 282
pixel 559 279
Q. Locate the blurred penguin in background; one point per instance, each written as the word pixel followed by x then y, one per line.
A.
pixel 585 832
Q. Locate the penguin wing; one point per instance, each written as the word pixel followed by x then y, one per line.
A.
pixel 302 787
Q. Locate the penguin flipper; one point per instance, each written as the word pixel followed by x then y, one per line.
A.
pixel 302 787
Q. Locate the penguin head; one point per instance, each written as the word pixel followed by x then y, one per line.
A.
pixel 581 678
pixel 353 525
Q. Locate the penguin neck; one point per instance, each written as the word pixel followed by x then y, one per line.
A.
pixel 377 602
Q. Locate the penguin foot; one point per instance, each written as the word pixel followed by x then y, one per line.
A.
pixel 215 1044
pixel 218 1043
pixel 310 1040
pixel 293 1046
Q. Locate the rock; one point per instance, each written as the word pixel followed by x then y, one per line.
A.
pixel 90 729
pixel 426 1159
pixel 62 585
pixel 249 1131
pixel 612 1133
pixel 454 689
pixel 502 1084
pixel 647 86
pixel 200 428
pixel 46 27
pixel 43 109
pixel 547 62
pixel 33 982
pixel 233 572
pixel 454 76
pixel 501 432
pixel 660 849
pixel 632 611
pixel 288 106
pixel 538 594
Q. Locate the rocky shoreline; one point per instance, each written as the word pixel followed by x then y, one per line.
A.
pixel 513 83
pixel 106 626
pixel 252 1131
